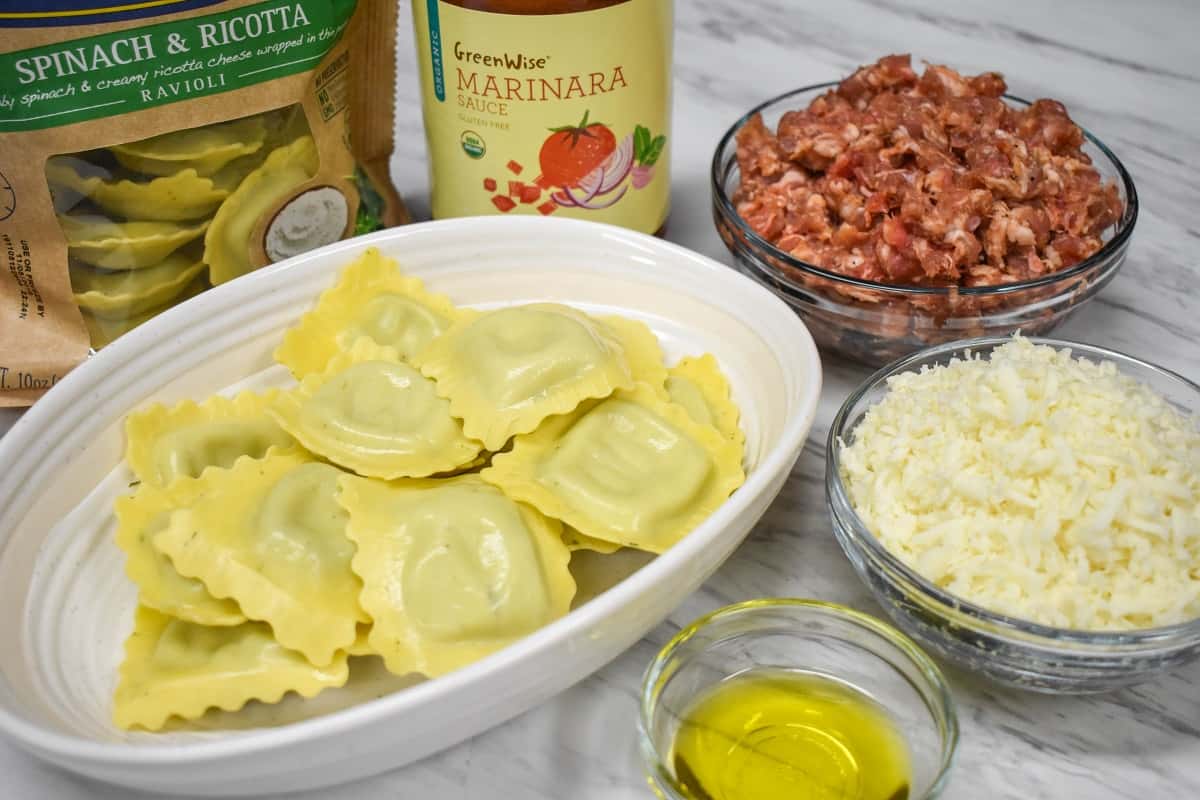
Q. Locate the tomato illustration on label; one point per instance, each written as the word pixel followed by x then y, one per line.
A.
pixel 584 166
pixel 572 152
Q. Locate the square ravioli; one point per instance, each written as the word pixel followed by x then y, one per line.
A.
pixel 118 296
pixel 141 517
pixel 165 443
pixel 182 196
pixel 632 469
pixel 371 299
pixel 285 168
pixel 179 669
pixel 271 535
pixel 643 351
pixel 103 330
pixel 452 569
pixel 574 540
pixel 205 150
pixel 371 413
pixel 697 384
pixel 117 246
pixel 505 371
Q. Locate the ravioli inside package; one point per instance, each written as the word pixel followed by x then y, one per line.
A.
pixel 148 153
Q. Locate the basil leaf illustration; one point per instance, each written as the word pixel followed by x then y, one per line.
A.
pixel 655 150
pixel 641 142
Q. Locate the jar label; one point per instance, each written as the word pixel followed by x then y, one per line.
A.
pixel 563 114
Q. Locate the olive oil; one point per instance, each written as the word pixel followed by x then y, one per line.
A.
pixel 774 734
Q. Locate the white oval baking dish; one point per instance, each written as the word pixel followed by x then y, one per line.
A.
pixel 65 604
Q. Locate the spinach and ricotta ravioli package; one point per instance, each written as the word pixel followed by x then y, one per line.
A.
pixel 149 151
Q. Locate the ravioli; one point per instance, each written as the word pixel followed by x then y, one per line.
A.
pixel 165 443
pixel 271 535
pixel 371 413
pixel 174 668
pixel 452 570
pixel 574 540
pixel 140 517
pixel 125 245
pixel 102 330
pixel 361 646
pixel 179 197
pixel 642 350
pixel 371 299
pixel 227 243
pixel 632 469
pixel 697 384
pixel 230 176
pixel 128 293
pixel 286 125
pixel 205 150
pixel 505 371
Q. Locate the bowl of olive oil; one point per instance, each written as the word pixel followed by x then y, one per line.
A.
pixel 795 699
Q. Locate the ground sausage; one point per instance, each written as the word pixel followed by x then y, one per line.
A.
pixel 927 180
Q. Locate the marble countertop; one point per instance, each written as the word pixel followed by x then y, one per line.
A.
pixel 1130 72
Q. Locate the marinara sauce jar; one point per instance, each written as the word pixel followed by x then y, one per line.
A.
pixel 552 107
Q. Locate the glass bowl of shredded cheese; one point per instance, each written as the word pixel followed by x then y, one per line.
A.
pixel 1027 508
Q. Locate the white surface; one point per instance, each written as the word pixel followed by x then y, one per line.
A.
pixel 1128 71
pixel 67 603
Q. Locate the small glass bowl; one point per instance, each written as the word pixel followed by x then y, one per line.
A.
pixel 1006 649
pixel 874 323
pixel 814 637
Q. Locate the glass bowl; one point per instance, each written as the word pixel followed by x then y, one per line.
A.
pixel 1006 649
pixel 874 323
pixel 814 637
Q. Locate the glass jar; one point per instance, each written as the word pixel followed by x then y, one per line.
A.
pixel 552 107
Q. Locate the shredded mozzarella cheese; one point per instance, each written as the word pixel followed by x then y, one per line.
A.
pixel 1042 486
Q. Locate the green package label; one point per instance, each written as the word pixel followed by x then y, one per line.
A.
pixel 137 68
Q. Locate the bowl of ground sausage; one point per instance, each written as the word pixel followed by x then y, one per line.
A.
pixel 900 208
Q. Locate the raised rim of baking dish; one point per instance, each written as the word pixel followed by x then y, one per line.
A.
pixel 1046 636
pixel 722 165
